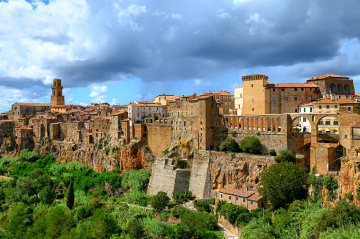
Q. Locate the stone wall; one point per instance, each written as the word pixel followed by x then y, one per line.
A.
pixel 167 178
pixel 200 175
pixel 158 137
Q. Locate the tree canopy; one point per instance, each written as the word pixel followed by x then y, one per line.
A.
pixel 229 145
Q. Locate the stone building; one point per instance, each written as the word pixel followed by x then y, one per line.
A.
pixel 6 128
pixel 100 126
pixel 262 97
pixel 200 116
pixel 249 199
pixel 164 99
pixel 333 84
pixel 116 130
pixel 20 110
pixel 224 99
pixel 41 126
pixel 238 99
pixel 57 99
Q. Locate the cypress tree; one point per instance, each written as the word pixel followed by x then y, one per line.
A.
pixel 71 196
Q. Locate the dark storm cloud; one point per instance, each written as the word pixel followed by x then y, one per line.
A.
pixel 200 39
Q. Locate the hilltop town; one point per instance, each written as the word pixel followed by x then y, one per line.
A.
pixel 179 137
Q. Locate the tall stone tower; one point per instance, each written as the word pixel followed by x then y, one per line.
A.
pixel 57 98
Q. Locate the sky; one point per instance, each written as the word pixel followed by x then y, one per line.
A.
pixel 121 51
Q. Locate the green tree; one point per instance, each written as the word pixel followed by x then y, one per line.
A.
pixel 285 156
pixel 229 145
pixel 160 201
pixel 71 196
pixel 47 196
pixel 28 156
pixel 282 183
pixel 19 219
pixel 250 144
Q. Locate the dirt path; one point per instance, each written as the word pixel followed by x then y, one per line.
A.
pixel 227 233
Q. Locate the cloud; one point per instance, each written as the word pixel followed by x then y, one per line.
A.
pixel 98 93
pixel 90 42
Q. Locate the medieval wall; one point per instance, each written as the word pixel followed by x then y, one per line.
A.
pixel 200 175
pixel 158 137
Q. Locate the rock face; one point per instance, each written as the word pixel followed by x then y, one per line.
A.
pixel 349 178
pixel 237 171
pixel 100 156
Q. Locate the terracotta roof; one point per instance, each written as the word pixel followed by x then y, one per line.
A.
pixel 331 101
pixel 146 105
pixel 253 75
pixel 327 76
pixel 237 192
pixel 255 197
pixel 33 104
pixel 6 121
pixel 168 97
pixel 291 85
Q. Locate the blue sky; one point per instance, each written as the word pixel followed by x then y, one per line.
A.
pixel 120 51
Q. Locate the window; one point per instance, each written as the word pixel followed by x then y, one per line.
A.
pixel 229 98
pixel 336 106
pixel 273 89
pixel 321 122
pixel 200 112
pixel 349 109
pixel 240 95
pixel 253 109
pixel 304 110
pixel 251 203
pixel 319 106
pixel 252 100
pixel 327 106
pixel 252 85
pixel 229 197
pixel 273 98
pixel 302 89
pixel 345 136
pixel 243 199
pixel 282 89
pixel 310 110
pixel 296 110
pixel 295 98
pixel 286 98
pixel 336 122
pixel 327 122
pixel 221 195
pixel 295 89
pixel 304 119
pixel 237 198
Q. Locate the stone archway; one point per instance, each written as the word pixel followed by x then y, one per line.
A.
pixel 347 89
pixel 333 88
pixel 340 89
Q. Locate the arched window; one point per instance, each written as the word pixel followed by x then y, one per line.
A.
pixel 340 89
pixel 347 89
pixel 333 89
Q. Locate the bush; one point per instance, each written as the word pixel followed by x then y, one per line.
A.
pixel 137 197
pixel 166 151
pixel 113 149
pixel 272 152
pixel 229 145
pixel 178 211
pixel 70 148
pixel 182 163
pixel 330 184
pixel 107 151
pixel 160 201
pixel 233 133
pixel 285 156
pixel 349 196
pixel 250 144
pixel 183 197
pixel 28 156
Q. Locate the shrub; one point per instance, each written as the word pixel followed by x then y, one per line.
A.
pixel 232 155
pixel 285 156
pixel 233 133
pixel 70 148
pixel 272 152
pixel 182 163
pixel 137 197
pixel 349 196
pixel 166 151
pixel 113 149
pixel 229 145
pixel 330 184
pixel 250 144
pixel 160 201
pixel 178 211
pixel 107 151
pixel 186 196
pixel 28 156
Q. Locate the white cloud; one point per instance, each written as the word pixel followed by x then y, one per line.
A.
pixel 176 16
pixel 98 93
pixel 222 13
pixel 114 102
pixel 127 15
pixel 256 22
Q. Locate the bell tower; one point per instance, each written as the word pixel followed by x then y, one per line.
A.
pixel 56 97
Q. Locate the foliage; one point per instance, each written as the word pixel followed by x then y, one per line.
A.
pixel 229 145
pixel 178 211
pixel 107 151
pixel 233 133
pixel 182 163
pixel 349 196
pixel 5 164
pixel 285 156
pixel 136 180
pixel 330 184
pixel 282 183
pixel 358 191
pixel 113 149
pixel 204 205
pixel 70 148
pixel 183 197
pixel 71 197
pixel 27 156
pixel 136 197
pixel 272 152
pixel 250 144
pixel 160 201
pixel 166 151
